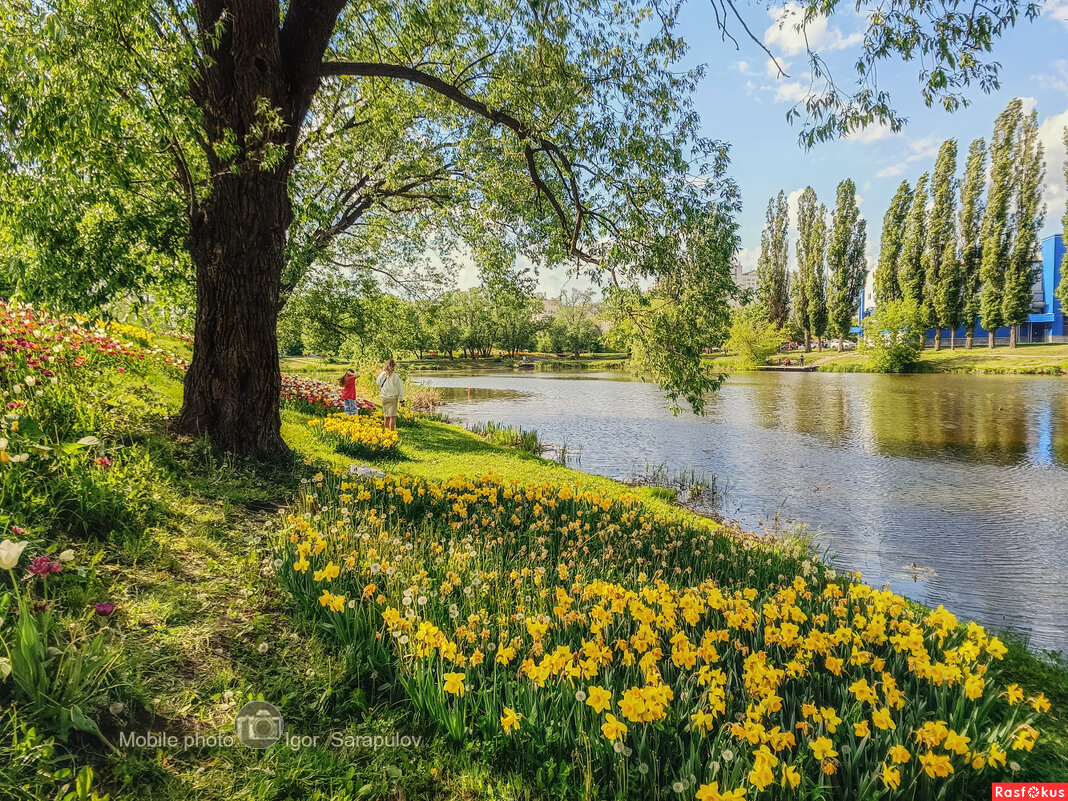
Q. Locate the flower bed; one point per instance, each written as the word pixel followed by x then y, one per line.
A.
pixel 355 435
pixel 647 654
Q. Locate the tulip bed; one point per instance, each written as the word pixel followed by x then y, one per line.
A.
pixel 630 654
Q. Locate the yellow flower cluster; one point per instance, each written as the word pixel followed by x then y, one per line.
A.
pixel 655 643
pixel 355 435
pixel 135 332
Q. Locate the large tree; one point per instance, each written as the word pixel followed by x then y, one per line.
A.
pixel 940 274
pixel 773 279
pixel 1028 213
pixel 971 215
pixel 810 302
pixel 247 140
pixel 890 241
pixel 997 229
pixel 847 265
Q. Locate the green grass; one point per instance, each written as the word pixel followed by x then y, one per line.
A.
pixel 1025 360
pixel 331 369
pixel 434 450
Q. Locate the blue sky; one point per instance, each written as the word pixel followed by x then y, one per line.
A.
pixel 742 103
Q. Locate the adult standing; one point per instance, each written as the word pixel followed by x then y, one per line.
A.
pixel 391 387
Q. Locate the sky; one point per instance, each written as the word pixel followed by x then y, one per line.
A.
pixel 742 102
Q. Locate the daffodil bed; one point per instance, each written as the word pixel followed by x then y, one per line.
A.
pixel 653 656
pixel 355 435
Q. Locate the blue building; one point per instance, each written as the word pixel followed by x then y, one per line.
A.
pixel 1046 321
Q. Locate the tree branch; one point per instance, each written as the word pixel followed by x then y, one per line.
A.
pixel 523 132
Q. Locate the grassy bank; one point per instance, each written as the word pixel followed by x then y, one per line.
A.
pixel 326 369
pixel 183 543
pixel 1025 360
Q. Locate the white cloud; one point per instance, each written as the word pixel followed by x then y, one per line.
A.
pixel 1057 80
pixel 792 200
pixel 745 68
pixel 919 150
pixel 892 171
pixel 788 35
pixel 1057 9
pixel 791 92
pixel 1027 104
pixel 872 133
pixel 1055 194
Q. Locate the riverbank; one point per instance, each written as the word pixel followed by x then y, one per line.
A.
pixel 324 369
pixel 1026 359
pixel 185 554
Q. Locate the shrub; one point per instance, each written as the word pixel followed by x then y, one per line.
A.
pixel 753 336
pixel 893 336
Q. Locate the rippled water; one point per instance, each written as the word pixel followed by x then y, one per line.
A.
pixel 963 475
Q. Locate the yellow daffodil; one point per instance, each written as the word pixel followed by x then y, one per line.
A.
pixel 599 699
pixel 822 748
pixel 509 720
pixel 612 728
pixel 454 683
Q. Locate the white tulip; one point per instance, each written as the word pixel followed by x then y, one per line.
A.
pixel 10 553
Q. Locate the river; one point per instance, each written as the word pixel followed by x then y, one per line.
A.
pixel 965 477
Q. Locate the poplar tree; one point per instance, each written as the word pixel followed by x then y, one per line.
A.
pixel 995 235
pixel 811 246
pixel 846 264
pixel 941 278
pixel 817 278
pixel 806 214
pixel 910 265
pixel 1029 168
pixel 971 215
pixel 886 286
pixel 773 280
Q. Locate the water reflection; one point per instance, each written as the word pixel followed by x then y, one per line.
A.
pixel 951 488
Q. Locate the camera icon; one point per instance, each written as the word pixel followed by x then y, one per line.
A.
pixel 258 725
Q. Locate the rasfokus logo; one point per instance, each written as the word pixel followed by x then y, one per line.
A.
pixel 1029 790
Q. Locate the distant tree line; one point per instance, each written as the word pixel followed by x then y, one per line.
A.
pixel 821 298
pixel 956 250
pixel 974 262
pixel 334 316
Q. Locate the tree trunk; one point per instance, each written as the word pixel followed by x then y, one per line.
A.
pixel 1013 335
pixel 808 342
pixel 969 339
pixel 841 344
pixel 990 339
pixel 953 339
pixel 238 247
pixel 938 339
